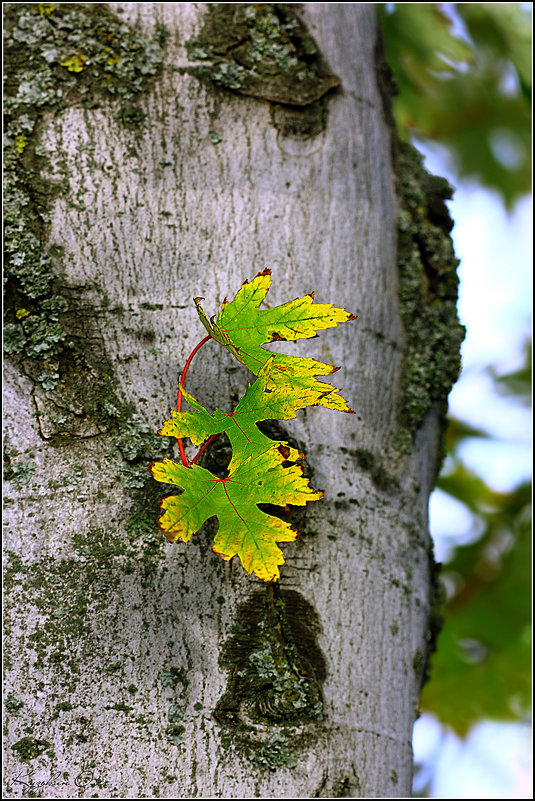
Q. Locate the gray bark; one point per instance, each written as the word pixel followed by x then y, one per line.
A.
pixel 153 218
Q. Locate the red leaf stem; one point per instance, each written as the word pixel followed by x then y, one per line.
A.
pixel 179 396
pixel 208 442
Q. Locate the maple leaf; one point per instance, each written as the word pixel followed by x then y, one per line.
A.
pixel 244 530
pixel 241 327
pixel 240 425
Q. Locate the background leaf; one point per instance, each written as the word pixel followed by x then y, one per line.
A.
pixel 482 666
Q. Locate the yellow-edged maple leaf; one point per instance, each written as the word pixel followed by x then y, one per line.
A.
pixel 242 328
pixel 240 425
pixel 244 530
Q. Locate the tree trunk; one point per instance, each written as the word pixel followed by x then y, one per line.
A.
pixel 126 654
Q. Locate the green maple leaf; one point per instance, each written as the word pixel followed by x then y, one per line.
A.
pixel 241 327
pixel 240 425
pixel 244 530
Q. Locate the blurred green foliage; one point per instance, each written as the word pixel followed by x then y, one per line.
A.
pixel 482 667
pixel 518 384
pixel 464 77
pixel 463 72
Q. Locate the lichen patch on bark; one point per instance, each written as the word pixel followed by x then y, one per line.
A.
pixel 265 51
pixel 428 280
pixel 274 701
pixel 428 289
pixel 57 55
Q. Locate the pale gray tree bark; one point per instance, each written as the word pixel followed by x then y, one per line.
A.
pixel 115 644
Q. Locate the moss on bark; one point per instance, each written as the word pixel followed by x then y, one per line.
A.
pixel 274 700
pixel 428 280
pixel 428 288
pixel 57 56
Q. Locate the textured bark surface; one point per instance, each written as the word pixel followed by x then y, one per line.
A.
pixel 152 218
